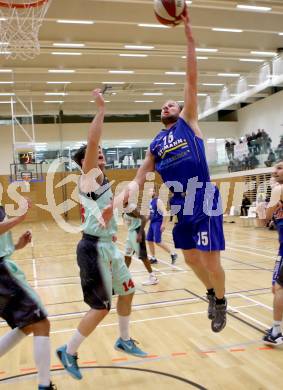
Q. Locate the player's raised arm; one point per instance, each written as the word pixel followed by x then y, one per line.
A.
pixel 190 109
pixel 146 167
pixel 94 134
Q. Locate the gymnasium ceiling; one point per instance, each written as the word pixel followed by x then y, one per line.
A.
pixel 115 25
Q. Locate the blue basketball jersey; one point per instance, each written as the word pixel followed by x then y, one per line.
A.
pixel 278 215
pixel 155 214
pixel 180 154
pixel 181 162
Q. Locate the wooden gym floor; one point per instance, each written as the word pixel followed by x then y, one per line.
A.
pixel 169 320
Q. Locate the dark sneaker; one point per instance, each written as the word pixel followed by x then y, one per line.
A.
pixel 174 258
pixel 153 260
pixel 211 306
pixel 130 347
pixel 219 321
pixel 50 387
pixel 272 340
pixel 70 362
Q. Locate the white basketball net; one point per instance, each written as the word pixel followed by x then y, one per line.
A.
pixel 20 21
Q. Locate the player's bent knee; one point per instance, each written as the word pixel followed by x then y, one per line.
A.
pixel 41 328
pixel 278 285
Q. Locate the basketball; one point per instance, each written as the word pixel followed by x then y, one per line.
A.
pixel 169 12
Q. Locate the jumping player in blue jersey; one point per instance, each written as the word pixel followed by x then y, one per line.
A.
pixel 177 153
pixel 275 209
pixel 158 221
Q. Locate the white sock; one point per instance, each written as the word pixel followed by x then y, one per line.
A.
pixel 124 322
pixel 75 342
pixel 276 328
pixel 10 340
pixel 41 347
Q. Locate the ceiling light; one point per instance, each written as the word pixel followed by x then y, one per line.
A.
pixel 176 73
pixel 164 83
pixel 6 82
pixel 63 44
pixel 250 60
pixel 105 101
pixel 138 47
pixel 133 55
pixel 153 94
pixel 8 101
pixel 59 82
pixel 64 53
pixel 235 30
pixel 252 85
pixel 5 52
pixel 213 84
pixel 202 94
pixel 203 50
pixel 152 25
pixel 180 101
pixel 56 93
pixel 281 33
pixel 73 21
pixel 61 71
pixel 198 57
pixel 3 19
pixel 54 101
pixel 121 71
pixel 7 94
pixel 264 53
pixel 144 101
pixel 113 82
pixel 6 71
pixel 253 8
pixel 130 140
pixel 229 74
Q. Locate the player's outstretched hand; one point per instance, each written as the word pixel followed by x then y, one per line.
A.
pixel 24 240
pixel 187 23
pixel 98 97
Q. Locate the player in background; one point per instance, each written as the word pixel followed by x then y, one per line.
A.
pixel 102 267
pixel 158 222
pixel 20 306
pixel 275 209
pixel 135 243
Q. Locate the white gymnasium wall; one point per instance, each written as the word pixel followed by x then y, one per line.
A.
pixel 265 114
pixel 111 131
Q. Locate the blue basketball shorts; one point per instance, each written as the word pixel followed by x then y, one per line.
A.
pixel 154 233
pixel 278 268
pixel 205 234
pixel 280 233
